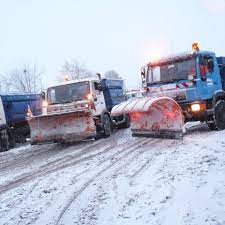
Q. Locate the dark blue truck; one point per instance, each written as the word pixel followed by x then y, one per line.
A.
pixel 13 112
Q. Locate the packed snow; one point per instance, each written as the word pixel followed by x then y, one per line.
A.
pixel 117 181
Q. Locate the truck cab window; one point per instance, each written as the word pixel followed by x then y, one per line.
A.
pixel 52 95
pixel 203 67
pixel 206 66
pixel 172 71
pixel 210 65
pixel 96 88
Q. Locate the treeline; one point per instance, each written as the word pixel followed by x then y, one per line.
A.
pixel 29 78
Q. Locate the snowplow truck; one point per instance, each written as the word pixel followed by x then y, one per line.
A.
pixel 13 112
pixel 179 88
pixel 77 110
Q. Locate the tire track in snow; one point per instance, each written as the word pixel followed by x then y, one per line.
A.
pixel 145 139
pixel 24 156
pixel 171 143
pixel 64 160
pixel 142 166
pixel 168 152
pixel 154 156
pixel 167 156
pixel 107 149
pixel 50 167
pixel 132 148
pixel 34 152
pixel 38 153
pixel 60 164
pixel 149 143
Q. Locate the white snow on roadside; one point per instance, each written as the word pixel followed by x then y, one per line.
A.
pixel 120 180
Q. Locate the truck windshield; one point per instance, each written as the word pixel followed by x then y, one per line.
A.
pixel 68 92
pixel 172 71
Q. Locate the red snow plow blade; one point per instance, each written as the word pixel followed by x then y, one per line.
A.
pixel 159 117
pixel 63 127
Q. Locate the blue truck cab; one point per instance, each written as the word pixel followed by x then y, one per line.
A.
pixel 13 112
pixel 195 79
pixel 113 91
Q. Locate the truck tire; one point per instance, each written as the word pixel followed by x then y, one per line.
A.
pixel 11 139
pixel 219 117
pixel 4 142
pixel 107 130
pixel 212 126
pixel 126 124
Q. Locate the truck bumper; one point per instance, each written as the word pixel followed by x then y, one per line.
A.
pixel 201 115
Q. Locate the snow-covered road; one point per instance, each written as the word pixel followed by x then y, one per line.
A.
pixel 118 180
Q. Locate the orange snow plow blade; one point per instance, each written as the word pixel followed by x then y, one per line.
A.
pixel 63 127
pixel 159 117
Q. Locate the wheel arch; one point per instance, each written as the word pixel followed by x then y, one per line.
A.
pixel 218 95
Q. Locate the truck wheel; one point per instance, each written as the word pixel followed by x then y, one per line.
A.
pixel 98 135
pixel 212 126
pixel 126 124
pixel 4 142
pixel 12 139
pixel 220 115
pixel 106 126
pixel 4 145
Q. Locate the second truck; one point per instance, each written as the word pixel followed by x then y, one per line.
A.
pixel 79 109
pixel 185 87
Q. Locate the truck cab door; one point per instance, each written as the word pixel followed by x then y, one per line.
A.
pixel 2 113
pixel 99 100
pixel 206 71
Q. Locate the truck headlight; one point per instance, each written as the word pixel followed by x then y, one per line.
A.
pixel 195 107
pixel 29 114
pixel 89 97
pixel 44 104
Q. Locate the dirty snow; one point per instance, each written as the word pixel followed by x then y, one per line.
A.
pixel 117 181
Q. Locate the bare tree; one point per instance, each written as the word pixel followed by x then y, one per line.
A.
pixel 5 84
pixel 75 70
pixel 26 78
pixel 112 74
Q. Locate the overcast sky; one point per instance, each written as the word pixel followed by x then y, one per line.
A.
pixel 105 34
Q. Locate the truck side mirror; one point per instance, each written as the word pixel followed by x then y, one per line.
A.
pixel 43 95
pixel 98 86
pixel 210 65
pixel 143 74
pixel 202 69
